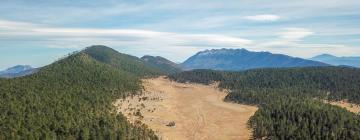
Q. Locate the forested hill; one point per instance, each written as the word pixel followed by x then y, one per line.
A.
pixel 162 63
pixel 336 83
pixel 121 61
pixel 290 100
pixel 71 99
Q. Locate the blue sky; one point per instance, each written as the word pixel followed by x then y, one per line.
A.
pixel 38 32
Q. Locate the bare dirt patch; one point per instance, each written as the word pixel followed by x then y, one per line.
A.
pixel 344 104
pixel 198 111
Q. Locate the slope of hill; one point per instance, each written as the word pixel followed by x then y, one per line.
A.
pixel 17 71
pixel 334 60
pixel 286 97
pixel 121 61
pixel 242 59
pixel 161 63
pixel 70 99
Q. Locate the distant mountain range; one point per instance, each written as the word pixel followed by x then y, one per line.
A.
pixel 334 60
pixel 242 59
pixel 17 71
pixel 216 59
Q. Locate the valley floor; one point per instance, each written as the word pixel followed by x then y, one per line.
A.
pixel 198 111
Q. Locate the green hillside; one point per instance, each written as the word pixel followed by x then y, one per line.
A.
pixel 162 64
pixel 71 99
pixel 287 100
pixel 121 61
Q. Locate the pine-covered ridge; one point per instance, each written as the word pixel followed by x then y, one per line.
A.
pixel 71 99
pixel 124 62
pixel 290 99
pixel 334 83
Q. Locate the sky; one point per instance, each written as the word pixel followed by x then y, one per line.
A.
pixel 38 32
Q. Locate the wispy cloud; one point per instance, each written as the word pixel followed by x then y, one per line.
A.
pixel 295 34
pixel 287 37
pixel 290 41
pixel 180 27
pixel 265 17
pixel 172 45
pixel 162 43
pixel 307 50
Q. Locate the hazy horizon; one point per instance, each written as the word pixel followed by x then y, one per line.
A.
pixel 38 32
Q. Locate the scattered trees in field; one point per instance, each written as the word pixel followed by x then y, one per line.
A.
pixel 289 100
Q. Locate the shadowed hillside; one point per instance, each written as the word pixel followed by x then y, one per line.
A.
pixel 121 61
pixel 162 63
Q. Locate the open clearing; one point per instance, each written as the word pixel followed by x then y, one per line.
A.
pixel 344 104
pixel 198 111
